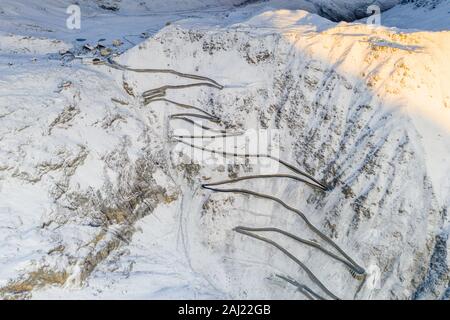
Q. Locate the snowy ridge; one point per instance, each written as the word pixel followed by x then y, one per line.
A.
pixel 433 15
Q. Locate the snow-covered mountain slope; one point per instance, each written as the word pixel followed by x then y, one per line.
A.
pixel 101 19
pixel 96 203
pixel 335 10
pixel 433 15
pixel 109 18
